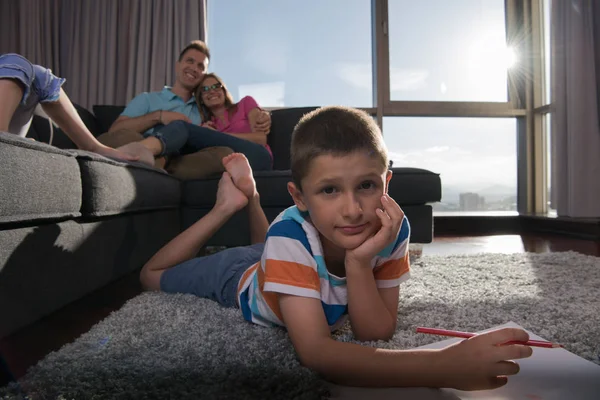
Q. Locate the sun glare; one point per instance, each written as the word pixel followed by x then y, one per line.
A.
pixel 510 58
pixel 485 56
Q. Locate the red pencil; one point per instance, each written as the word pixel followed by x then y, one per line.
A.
pixel 445 332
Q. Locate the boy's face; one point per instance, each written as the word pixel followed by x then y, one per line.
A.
pixel 341 194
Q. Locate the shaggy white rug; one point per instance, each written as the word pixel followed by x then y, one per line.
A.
pixel 179 346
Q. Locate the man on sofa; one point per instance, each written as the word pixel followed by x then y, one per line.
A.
pixel 150 110
pixel 24 86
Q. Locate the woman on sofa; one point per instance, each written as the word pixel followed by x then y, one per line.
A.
pixel 24 86
pixel 225 124
pixel 220 113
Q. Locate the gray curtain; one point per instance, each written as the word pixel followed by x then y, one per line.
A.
pixel 108 50
pixel 30 26
pixel 575 129
pixel 596 30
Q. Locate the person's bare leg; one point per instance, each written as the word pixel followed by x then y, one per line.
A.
pixel 187 244
pixel 257 220
pixel 11 93
pixel 237 165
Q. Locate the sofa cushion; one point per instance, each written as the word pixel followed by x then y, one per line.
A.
pixel 113 187
pixel 38 181
pixel 408 186
pixel 282 125
pixel 106 115
pixel 47 266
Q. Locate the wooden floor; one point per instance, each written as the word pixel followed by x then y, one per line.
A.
pixel 26 347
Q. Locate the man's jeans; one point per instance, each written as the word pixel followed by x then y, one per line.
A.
pixel 180 137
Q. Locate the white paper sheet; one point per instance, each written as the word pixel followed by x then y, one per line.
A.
pixel 549 374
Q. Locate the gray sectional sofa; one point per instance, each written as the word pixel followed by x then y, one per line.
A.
pixel 72 221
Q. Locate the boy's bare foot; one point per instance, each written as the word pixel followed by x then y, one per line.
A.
pixel 238 167
pixel 230 199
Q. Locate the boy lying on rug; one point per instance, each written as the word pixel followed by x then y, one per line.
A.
pixel 341 252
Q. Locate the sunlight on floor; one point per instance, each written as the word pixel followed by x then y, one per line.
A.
pixel 483 244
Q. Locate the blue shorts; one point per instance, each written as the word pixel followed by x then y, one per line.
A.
pixel 214 277
pixel 33 77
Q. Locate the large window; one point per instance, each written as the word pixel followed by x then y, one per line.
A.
pixel 293 53
pixel 434 73
pixel 475 157
pixel 443 50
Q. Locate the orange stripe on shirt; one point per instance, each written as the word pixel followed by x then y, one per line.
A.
pixel 289 273
pixel 392 269
pixel 271 298
pixel 246 275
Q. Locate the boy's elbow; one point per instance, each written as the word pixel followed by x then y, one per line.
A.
pixel 314 357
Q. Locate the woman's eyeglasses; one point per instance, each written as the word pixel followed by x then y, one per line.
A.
pixel 216 86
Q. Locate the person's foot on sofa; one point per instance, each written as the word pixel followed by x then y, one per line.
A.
pixel 238 167
pixel 138 149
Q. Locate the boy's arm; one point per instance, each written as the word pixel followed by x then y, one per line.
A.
pixel 64 114
pixel 476 363
pixel 373 311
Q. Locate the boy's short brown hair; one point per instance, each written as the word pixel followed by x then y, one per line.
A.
pixel 196 45
pixel 337 131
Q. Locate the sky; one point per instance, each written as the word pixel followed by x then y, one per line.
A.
pixel 289 53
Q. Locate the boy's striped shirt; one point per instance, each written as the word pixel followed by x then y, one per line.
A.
pixel 292 263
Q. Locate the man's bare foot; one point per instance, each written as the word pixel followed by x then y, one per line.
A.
pixel 230 199
pixel 138 149
pixel 238 167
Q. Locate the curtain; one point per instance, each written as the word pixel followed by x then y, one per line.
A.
pixel 109 50
pixel 596 37
pixel 575 130
pixel 31 25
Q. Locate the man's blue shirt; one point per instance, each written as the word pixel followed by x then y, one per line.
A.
pixel 165 100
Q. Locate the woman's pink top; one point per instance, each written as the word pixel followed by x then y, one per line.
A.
pixel 239 122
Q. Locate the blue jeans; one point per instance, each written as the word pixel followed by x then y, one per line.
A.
pixel 215 277
pixel 33 77
pixel 180 137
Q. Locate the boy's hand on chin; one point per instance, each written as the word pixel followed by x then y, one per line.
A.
pixel 391 217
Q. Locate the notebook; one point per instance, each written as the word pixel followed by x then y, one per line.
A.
pixel 549 374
